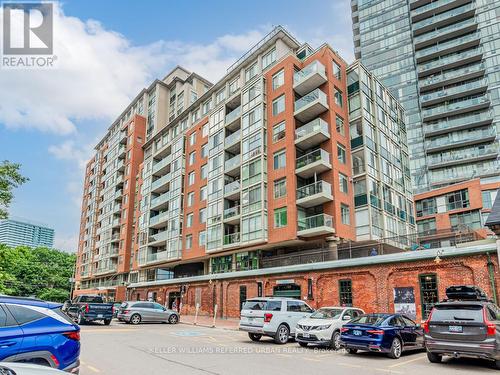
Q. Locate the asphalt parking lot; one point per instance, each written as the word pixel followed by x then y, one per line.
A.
pixel 153 349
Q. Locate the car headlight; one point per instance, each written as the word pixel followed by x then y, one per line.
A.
pixel 325 326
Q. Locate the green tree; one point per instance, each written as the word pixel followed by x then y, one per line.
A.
pixel 10 178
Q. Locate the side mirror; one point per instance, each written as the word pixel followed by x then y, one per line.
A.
pixel 346 317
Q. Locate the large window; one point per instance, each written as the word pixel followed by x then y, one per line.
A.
pixel 269 58
pixel 252 146
pixel 251 173
pixel 222 264
pixel 426 227
pixel 251 72
pixel 279 131
pixel 251 228
pixel 426 207
pixel 278 79
pixel 337 97
pixel 339 124
pixel 247 260
pixel 345 291
pixel 280 217
pixel 345 214
pixel 457 199
pixel 278 105
pixel 189 241
pixel 279 159
pixel 341 153
pixel 251 199
pixel 252 121
pixel 337 72
pixel 466 220
pixel 280 188
pixel 428 293
pixel 343 183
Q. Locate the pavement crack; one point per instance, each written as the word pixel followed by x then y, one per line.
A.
pixel 173 361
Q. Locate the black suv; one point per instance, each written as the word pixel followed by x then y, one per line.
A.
pixel 466 324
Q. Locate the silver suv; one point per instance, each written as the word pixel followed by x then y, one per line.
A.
pixel 275 317
pixel 465 325
pixel 136 312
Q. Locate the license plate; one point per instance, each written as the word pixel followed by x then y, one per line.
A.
pixel 306 335
pixel 455 329
pixel 250 319
pixel 357 333
pixel 99 315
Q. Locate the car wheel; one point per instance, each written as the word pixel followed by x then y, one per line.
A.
pixel 107 322
pixel 335 343
pixel 135 319
pixel 282 334
pixel 80 320
pixel 434 358
pixel 352 351
pixel 254 336
pixel 396 349
pixel 303 344
pixel 173 319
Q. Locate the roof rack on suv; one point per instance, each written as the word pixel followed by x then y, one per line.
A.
pixel 465 293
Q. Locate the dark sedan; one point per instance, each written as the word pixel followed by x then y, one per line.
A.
pixel 386 333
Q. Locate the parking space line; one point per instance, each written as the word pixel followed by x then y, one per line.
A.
pixel 92 368
pixel 312 359
pixel 406 362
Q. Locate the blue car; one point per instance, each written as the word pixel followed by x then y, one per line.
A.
pixel 39 332
pixel 385 333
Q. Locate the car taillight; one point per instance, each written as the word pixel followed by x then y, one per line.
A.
pixel 75 335
pixel 375 331
pixel 125 311
pixel 267 317
pixel 86 308
pixel 491 328
pixel 344 329
pixel 425 325
pixel 113 309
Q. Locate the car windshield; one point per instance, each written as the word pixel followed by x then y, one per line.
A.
pixel 91 299
pixel 472 313
pixel 372 320
pixel 326 314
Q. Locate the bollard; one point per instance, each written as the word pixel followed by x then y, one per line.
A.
pixel 196 313
pixel 215 315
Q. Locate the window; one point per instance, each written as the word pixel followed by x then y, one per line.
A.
pixel 243 295
pixel 204 150
pixel 345 214
pixel 206 106
pixel 204 131
pixel 203 193
pixel 487 198
pixel 202 238
pixel 280 188
pixel 341 154
pixel 343 183
pixel 279 159
pixel 426 227
pixel 278 105
pixel 23 315
pixel 337 96
pixel 192 157
pixel 426 207
pixel 279 131
pixel 337 72
pixel 203 215
pixel 189 241
pixel 234 86
pixel 280 217
pixel 339 124
pixel 466 220
pixel 278 79
pixel 191 178
pixel 189 220
pixel 192 139
pixel 457 199
pixel 203 171
pixel 345 291
pixel 250 72
pixel 428 293
pixel 298 306
pixel 190 199
pixel 269 58
pixel 220 96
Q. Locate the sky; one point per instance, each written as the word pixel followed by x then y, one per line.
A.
pixel 107 51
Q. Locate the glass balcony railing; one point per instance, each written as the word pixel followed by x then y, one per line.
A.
pixel 232 163
pixel 454 90
pixel 316 221
pixel 441 109
pixel 162 256
pixel 465 137
pixel 232 239
pixel 457 122
pixel 314 67
pixel 232 187
pixel 451 74
pixel 314 188
pixel 161 181
pixel 444 30
pixel 233 138
pixel 233 115
pixel 463 155
pixel 446 45
pixel 312 157
pixel 231 212
pixel 162 163
pixel 314 95
pixel 443 16
pixel 160 199
pixel 118 193
pixel 448 60
pixel 116 222
pixel 430 6
pixel 444 175
pixel 314 126
pixel 158 218
pixel 161 236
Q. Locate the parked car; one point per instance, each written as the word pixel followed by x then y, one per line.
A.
pixel 136 312
pixel 36 331
pixel 386 333
pixel 27 369
pixel 323 326
pixel 116 308
pixel 275 317
pixel 89 308
pixel 465 325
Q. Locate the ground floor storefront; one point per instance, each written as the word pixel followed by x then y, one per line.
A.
pixel 407 282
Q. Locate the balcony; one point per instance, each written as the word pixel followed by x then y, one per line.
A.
pixel 115 237
pixel 233 118
pixel 232 215
pixel 470 138
pixel 123 137
pixel 232 166
pixel 105 269
pixel 311 106
pixel 464 122
pixel 455 60
pixel 478 154
pixel 160 201
pixel 232 190
pixel 449 175
pixel 117 209
pixel 232 239
pixel 428 9
pixel 161 185
pixel 447 47
pixel 122 151
pixel 120 166
pixel 452 76
pixel 316 225
pixel 116 223
pixel 314 194
pixel 315 162
pixel 158 239
pixel 312 134
pixel 159 257
pixel 309 78
pixel 450 16
pixel 445 33
pixel 159 220
pixel 470 88
pixel 118 195
pixel 162 166
pixel 232 142
pixel 456 108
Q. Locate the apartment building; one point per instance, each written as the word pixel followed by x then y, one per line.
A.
pixel 440 58
pixel 19 232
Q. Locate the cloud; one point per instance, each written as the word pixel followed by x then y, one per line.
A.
pixel 67 243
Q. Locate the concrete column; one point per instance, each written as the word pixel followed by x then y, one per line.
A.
pixel 332 243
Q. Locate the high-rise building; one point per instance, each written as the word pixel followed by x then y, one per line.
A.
pixel 440 59
pixel 19 232
pixel 251 170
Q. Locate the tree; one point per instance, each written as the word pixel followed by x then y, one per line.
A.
pixel 10 178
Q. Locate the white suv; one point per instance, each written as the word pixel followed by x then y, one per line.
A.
pixel 276 317
pixel 323 326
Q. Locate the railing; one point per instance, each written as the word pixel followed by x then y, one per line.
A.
pixel 444 30
pixel 232 211
pixel 311 222
pixel 233 115
pixel 161 181
pixel 314 95
pixel 448 60
pixel 451 74
pixel 116 222
pixel 441 109
pixel 441 176
pixel 430 6
pixel 457 122
pixel 158 218
pixel 160 199
pixel 318 125
pixel 162 255
pixel 314 188
pixel 469 136
pixel 312 157
pixel 118 193
pixel 232 187
pixel 454 90
pixel 233 138
pixel 463 155
pixel 443 16
pixel 314 67
pixel 161 236
pixel 232 163
pixel 231 239
pixel 446 45
pixel 162 163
